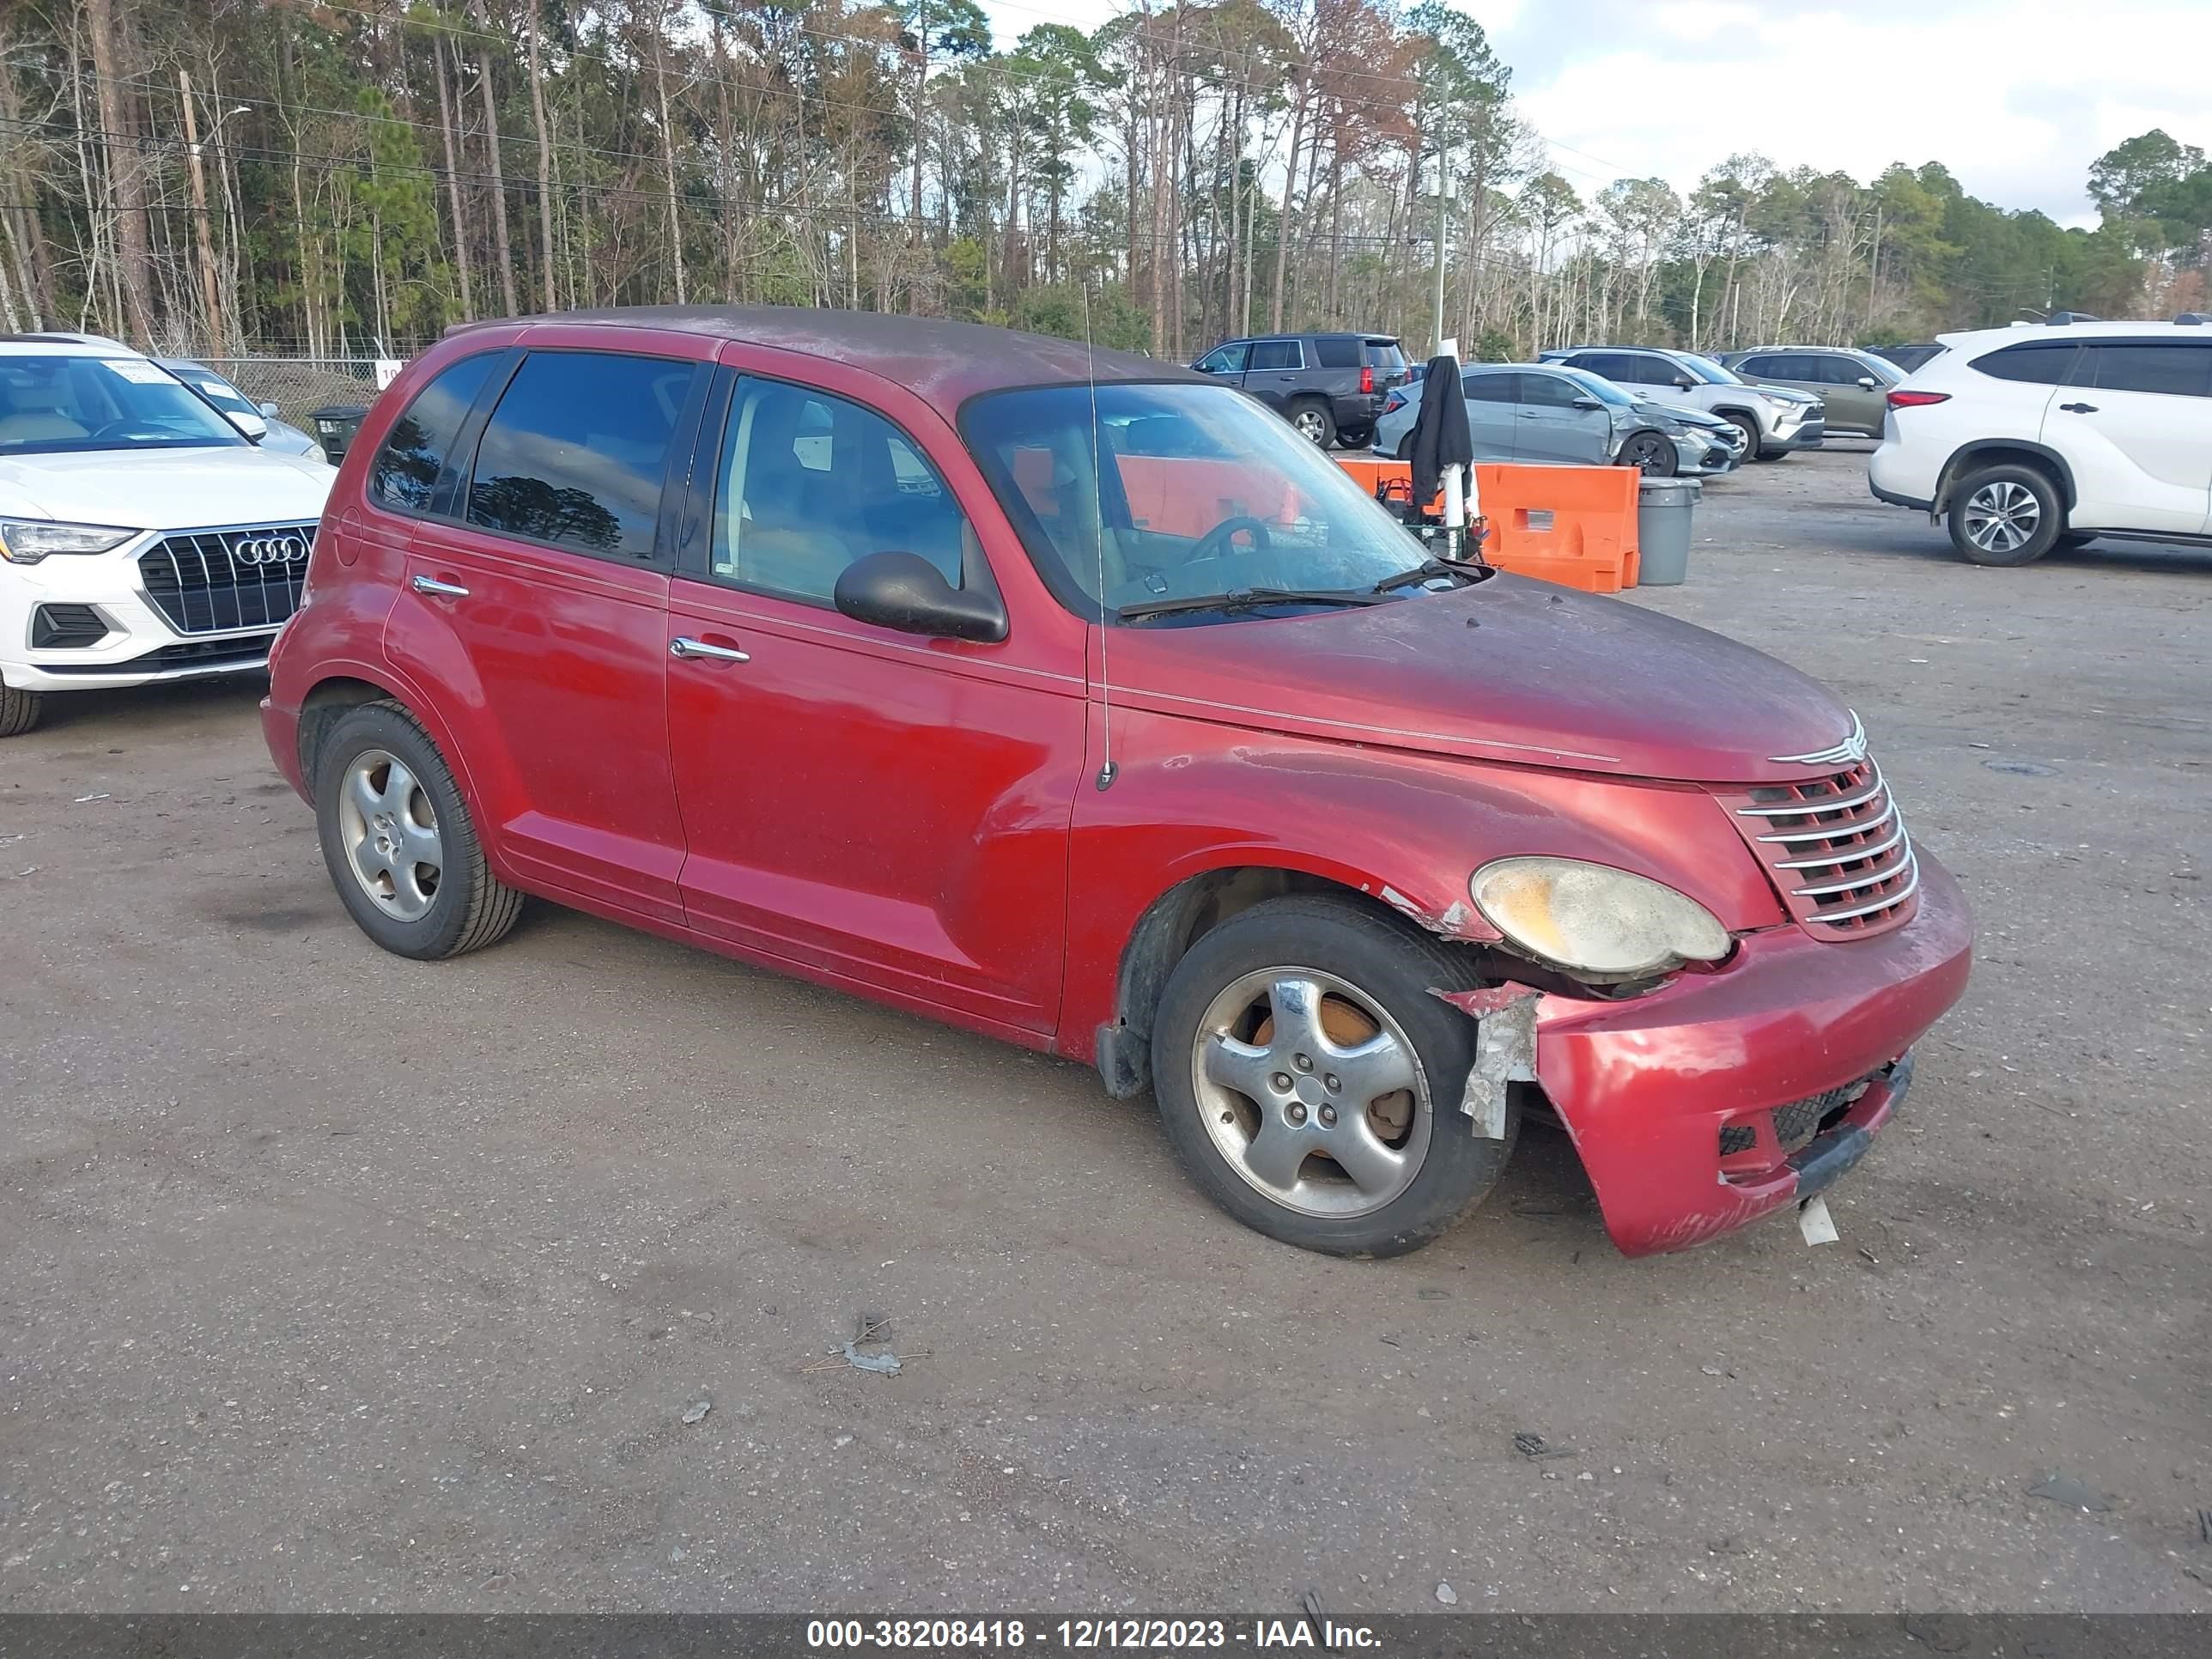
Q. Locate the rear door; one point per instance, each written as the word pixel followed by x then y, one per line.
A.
pixel 1275 371
pixel 1548 427
pixel 539 601
pixel 2135 421
pixel 1492 394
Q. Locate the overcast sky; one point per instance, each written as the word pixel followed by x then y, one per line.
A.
pixel 2016 97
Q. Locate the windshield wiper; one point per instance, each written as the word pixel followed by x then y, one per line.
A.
pixel 1237 599
pixel 1427 571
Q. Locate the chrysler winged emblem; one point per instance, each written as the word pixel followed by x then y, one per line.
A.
pixel 1850 752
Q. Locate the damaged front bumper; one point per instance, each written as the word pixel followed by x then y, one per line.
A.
pixel 1722 1096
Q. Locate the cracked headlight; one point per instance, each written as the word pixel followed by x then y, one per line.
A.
pixel 27 541
pixel 1594 922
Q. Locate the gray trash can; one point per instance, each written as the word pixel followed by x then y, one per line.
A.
pixel 1664 510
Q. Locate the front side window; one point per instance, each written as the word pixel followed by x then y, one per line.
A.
pixel 404 474
pixel 1547 391
pixel 2045 364
pixel 807 483
pixel 577 449
pixel 1277 354
pixel 1227 497
pixel 2178 371
pixel 52 405
pixel 1226 360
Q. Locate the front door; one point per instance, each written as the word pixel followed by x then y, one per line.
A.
pixel 1548 427
pixel 883 809
pixel 2135 420
pixel 541 608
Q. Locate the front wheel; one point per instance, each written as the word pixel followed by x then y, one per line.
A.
pixel 1314 423
pixel 1749 428
pixel 1310 1079
pixel 1649 453
pixel 19 710
pixel 400 846
pixel 2005 515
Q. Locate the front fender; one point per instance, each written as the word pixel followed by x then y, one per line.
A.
pixel 1190 797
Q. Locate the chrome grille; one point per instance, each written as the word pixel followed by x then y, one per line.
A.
pixel 1837 848
pixel 212 581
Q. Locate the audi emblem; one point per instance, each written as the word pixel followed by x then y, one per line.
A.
pixel 269 550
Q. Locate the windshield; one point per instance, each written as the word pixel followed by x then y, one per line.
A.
pixel 1197 490
pixel 1596 384
pixel 216 390
pixel 1707 370
pixel 58 405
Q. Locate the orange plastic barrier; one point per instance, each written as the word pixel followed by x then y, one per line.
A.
pixel 1575 525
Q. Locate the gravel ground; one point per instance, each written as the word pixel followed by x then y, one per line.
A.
pixel 337 1281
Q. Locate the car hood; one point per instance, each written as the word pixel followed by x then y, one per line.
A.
pixel 1506 670
pixel 166 489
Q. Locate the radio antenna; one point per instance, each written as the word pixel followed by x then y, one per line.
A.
pixel 1106 768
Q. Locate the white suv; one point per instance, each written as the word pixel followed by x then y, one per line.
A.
pixel 2030 438
pixel 141 537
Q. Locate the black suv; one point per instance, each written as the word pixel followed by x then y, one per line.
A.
pixel 1330 386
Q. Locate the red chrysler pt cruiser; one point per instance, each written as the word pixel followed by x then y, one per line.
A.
pixel 1076 699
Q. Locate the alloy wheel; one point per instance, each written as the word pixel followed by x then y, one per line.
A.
pixel 1307 421
pixel 1644 453
pixel 1311 1092
pixel 389 830
pixel 2001 516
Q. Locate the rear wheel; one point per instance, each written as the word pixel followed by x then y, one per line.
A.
pixel 2007 514
pixel 19 710
pixel 400 846
pixel 1650 453
pixel 1310 1079
pixel 1355 437
pixel 1314 422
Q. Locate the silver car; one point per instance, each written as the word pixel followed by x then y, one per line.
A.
pixel 276 435
pixel 1538 412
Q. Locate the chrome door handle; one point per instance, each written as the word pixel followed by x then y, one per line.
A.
pixel 687 648
pixel 443 589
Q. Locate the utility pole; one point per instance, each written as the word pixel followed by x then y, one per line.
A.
pixel 209 293
pixel 1436 306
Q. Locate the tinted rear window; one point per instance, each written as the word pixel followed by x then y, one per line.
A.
pixel 2044 364
pixel 1383 353
pixel 2178 371
pixel 1336 351
pixel 405 470
pixel 576 453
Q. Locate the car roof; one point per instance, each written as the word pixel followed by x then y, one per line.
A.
pixel 946 362
pixel 2022 333
pixel 63 345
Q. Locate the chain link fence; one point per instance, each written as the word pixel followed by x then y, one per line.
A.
pixel 300 386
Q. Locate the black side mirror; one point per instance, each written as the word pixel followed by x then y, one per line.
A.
pixel 1586 403
pixel 908 592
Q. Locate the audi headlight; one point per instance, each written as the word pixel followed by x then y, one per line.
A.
pixel 27 541
pixel 1595 922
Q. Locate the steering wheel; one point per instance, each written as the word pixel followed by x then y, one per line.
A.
pixel 1215 542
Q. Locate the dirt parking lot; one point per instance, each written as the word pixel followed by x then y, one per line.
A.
pixel 333 1281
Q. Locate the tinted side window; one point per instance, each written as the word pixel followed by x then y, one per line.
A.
pixel 1792 365
pixel 576 453
pixel 1547 391
pixel 1490 388
pixel 1616 366
pixel 1773 366
pixel 406 470
pixel 809 483
pixel 1336 351
pixel 1276 353
pixel 1227 360
pixel 2042 365
pixel 1844 371
pixel 2178 371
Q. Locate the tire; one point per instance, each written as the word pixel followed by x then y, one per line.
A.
pixel 1314 422
pixel 1355 437
pixel 1366 980
pixel 2072 538
pixel 361 798
pixel 2005 515
pixel 19 710
pixel 1651 453
pixel 1406 445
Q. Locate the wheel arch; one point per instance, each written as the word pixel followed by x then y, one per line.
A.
pixel 1997 451
pixel 351 686
pixel 1176 920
